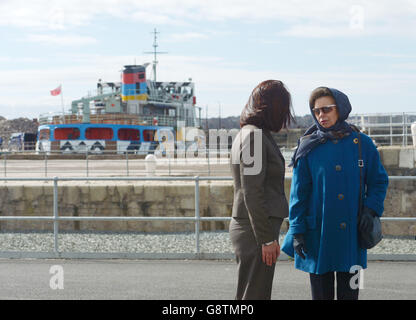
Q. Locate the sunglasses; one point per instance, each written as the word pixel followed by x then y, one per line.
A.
pixel 326 109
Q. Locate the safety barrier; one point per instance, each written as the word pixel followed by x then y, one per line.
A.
pixel 197 219
pixel 123 164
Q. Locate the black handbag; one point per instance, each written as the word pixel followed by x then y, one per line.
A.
pixel 367 239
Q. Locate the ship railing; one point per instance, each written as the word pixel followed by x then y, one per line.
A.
pixel 161 120
pixel 117 118
pixel 55 117
pixel 171 121
pixel 163 96
pixel 100 94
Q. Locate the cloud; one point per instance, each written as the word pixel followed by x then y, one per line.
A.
pixel 153 18
pixel 50 15
pixel 58 23
pixel 215 80
pixel 186 36
pixel 61 40
pixel 326 17
pixel 318 31
pixel 394 55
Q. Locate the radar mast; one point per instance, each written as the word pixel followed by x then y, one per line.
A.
pixel 155 52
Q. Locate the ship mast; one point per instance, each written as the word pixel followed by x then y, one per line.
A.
pixel 155 52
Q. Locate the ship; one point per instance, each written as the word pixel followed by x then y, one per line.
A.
pixel 125 116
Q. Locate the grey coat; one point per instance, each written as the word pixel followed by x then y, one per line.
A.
pixel 260 195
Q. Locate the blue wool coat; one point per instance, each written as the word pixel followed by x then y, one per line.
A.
pixel 324 203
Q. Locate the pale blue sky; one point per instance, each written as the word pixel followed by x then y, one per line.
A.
pixel 364 48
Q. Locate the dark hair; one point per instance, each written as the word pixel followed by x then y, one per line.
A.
pixel 269 107
pixel 319 93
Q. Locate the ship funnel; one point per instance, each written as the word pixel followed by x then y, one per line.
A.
pixel 133 84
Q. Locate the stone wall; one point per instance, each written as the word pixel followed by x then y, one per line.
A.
pixel 156 199
pixel 399 161
pixel 400 202
pixel 119 199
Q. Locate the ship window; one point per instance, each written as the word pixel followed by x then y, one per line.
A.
pixel 66 133
pixel 148 135
pixel 129 134
pixel 99 133
pixel 44 134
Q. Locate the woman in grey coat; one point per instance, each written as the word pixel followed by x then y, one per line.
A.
pixel 260 205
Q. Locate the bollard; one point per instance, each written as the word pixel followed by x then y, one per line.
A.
pixel 150 165
pixel 414 133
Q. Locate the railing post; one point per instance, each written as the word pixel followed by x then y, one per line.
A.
pixel 169 163
pixel 55 214
pixel 209 167
pixel 5 164
pixel 197 216
pixel 86 158
pixel 405 129
pixel 127 162
pixel 391 130
pixel 46 165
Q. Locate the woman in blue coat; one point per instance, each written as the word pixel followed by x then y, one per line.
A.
pixel 324 197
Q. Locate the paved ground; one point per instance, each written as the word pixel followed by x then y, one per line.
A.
pixel 177 280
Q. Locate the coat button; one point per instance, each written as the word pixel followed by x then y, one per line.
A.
pixel 338 167
pixel 343 225
pixel 355 140
pixel 340 196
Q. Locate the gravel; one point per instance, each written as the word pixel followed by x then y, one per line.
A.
pixel 184 242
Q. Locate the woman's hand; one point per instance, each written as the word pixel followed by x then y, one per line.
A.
pixel 270 253
pixel 299 244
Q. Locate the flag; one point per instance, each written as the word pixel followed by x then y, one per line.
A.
pixel 56 91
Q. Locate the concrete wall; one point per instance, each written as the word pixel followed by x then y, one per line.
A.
pixel 399 161
pixel 400 202
pixel 122 199
pixel 157 199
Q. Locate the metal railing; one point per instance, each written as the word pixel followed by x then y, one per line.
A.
pixel 197 219
pixel 47 164
pixel 55 218
pixel 387 128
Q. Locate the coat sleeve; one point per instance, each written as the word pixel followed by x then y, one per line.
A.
pixel 376 180
pixel 300 191
pixel 253 176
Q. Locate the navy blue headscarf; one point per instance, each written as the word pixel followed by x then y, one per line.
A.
pixel 316 134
